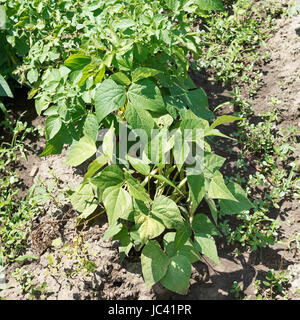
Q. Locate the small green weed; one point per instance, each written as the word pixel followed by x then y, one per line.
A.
pixel 275 284
pixel 230 42
pixel 15 213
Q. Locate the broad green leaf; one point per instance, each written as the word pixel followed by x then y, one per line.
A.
pixel 124 60
pixel 166 211
pixel 202 224
pixel 178 275
pixel 112 231
pixel 197 101
pixel 87 72
pixel 4 88
pixel 143 72
pixel 136 189
pixel 181 150
pixel 174 105
pixel 154 263
pixel 149 227
pixel 81 151
pixel 121 78
pixel 77 61
pixel 92 206
pixel 100 74
pixel 55 145
pixel 197 190
pixel 41 104
pixel 182 237
pixel 125 241
pixel 138 118
pixel 224 119
pixel 212 163
pixel 233 207
pixel 109 177
pixel 32 75
pixel 188 250
pixel 52 126
pixel 91 126
pixel 95 166
pixel 218 190
pixel 212 207
pixel 109 97
pixel 116 201
pixel 146 95
pixel 109 143
pixel 206 244
pixel 174 5
pixel 210 4
pixel 82 197
pixel 139 165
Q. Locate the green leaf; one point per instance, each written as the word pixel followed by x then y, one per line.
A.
pixel 136 189
pixel 233 207
pixel 197 189
pixel 143 72
pixel 4 88
pixel 174 5
pixel 188 250
pixel 91 126
pixel 96 165
pixel 125 240
pixel 109 143
pixel 109 96
pixel 202 224
pixel 146 95
pixel 25 258
pixel 55 145
pixel 181 237
pixel 41 104
pixel 212 207
pixel 82 198
pixel 116 201
pixel 112 231
pixel 212 163
pixel 197 101
pixel 224 119
pixel 121 78
pixel 205 243
pixel 148 227
pixel 178 275
pixel 77 61
pixel 32 75
pixel 217 133
pixel 52 127
pixel 217 188
pixel 138 118
pixel 154 263
pixel 109 177
pixel 100 74
pixel 81 151
pixel 210 4
pixel 166 211
pixel 139 165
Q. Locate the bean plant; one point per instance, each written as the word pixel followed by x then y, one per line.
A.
pixel 112 79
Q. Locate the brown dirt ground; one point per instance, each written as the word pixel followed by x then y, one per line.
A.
pixel 113 279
